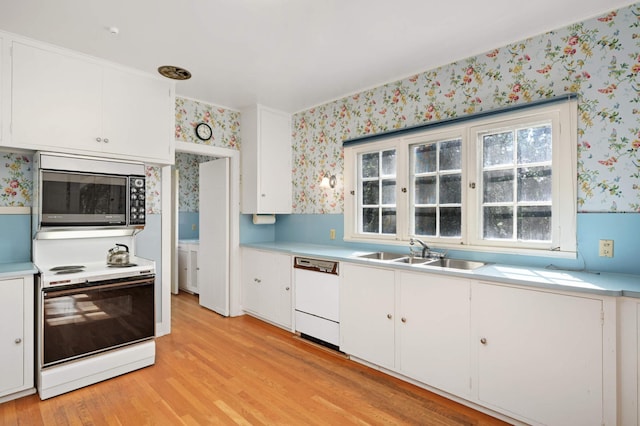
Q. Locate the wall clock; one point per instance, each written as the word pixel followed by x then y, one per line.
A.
pixel 203 131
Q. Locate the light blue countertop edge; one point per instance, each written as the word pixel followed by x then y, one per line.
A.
pixel 604 284
pixel 17 269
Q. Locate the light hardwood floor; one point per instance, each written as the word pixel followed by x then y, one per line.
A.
pixel 215 371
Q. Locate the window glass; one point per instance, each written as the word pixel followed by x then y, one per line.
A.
pixel 378 192
pixel 436 188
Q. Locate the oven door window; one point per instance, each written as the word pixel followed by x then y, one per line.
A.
pixel 83 321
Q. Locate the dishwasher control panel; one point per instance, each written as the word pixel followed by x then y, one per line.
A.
pixel 316 265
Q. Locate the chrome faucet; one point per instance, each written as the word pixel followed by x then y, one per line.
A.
pixel 426 251
pixel 425 247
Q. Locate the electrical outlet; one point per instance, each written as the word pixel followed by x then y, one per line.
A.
pixel 332 234
pixel 606 248
pixel 193 226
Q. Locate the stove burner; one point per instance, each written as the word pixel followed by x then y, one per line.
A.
pixel 123 265
pixel 69 271
pixel 67 268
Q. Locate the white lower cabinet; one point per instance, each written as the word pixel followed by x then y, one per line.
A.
pixel 415 324
pixel 266 286
pixel 16 337
pixel 367 314
pixel 539 355
pixel 433 332
pixel 188 270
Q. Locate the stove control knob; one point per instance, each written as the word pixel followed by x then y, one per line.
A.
pixel 141 216
pixel 134 216
pixel 133 190
pixel 134 210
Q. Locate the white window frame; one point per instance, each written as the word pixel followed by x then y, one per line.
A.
pixel 563 116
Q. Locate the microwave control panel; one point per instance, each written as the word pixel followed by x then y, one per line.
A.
pixel 137 210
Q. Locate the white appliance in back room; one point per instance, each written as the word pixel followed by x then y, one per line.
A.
pixel 95 304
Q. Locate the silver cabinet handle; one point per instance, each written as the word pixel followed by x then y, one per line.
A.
pixel 483 341
pixel 98 139
pixel 286 288
pixel 106 140
pixel 18 340
pixel 257 280
pixel 403 319
pixel 263 195
pixel 389 316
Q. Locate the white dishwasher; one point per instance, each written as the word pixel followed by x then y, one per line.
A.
pixel 317 300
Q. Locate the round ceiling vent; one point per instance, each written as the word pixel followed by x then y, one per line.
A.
pixel 175 73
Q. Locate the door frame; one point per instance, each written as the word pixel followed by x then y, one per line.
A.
pixel 169 229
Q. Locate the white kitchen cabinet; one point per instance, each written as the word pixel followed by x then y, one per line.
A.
pixel 67 102
pixel 266 286
pixel 16 337
pixel 628 332
pixel 367 314
pixel 434 330
pixel 266 160
pixel 539 355
pixel 5 84
pixel 188 270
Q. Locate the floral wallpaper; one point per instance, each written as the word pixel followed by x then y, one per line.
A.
pixel 225 123
pixel 16 178
pixel 598 59
pixel 153 183
pixel 189 183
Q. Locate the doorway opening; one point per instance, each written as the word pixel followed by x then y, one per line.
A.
pixel 170 230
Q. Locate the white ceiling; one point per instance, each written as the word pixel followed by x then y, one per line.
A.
pixel 289 54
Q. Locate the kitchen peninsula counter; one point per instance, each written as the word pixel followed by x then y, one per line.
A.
pixel 17 269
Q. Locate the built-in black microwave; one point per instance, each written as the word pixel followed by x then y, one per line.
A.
pixel 72 192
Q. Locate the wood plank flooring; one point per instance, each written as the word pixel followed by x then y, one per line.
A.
pixel 217 371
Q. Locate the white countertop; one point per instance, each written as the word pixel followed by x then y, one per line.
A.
pixel 608 284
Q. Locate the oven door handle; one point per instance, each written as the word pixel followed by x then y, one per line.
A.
pixel 76 290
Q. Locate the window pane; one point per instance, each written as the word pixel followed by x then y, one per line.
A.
pixel 534 184
pixel 389 162
pixel 370 220
pixel 534 145
pixel 388 221
pixel 450 152
pixel 388 191
pixel 497 149
pixel 425 221
pixel 370 165
pixel 370 193
pixel 498 222
pixel 534 223
pixel 425 158
pixel 450 222
pixel 450 189
pixel 425 190
pixel 498 186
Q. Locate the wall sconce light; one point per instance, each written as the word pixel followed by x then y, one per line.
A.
pixel 328 182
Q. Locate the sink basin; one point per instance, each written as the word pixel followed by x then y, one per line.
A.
pixel 382 255
pixel 413 260
pixel 467 265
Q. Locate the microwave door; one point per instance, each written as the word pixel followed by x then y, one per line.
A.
pixel 83 199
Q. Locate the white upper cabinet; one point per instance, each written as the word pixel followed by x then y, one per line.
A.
pixel 71 103
pixel 266 160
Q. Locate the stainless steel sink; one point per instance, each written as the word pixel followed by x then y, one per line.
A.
pixel 413 260
pixel 382 255
pixel 467 265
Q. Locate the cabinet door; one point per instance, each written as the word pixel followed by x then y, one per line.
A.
pixel 55 100
pixel 12 338
pixel 367 299
pixel 253 266
pixel 137 114
pixel 540 356
pixel 433 332
pixel 274 162
pixel 194 271
pixel 183 268
pixel 276 303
